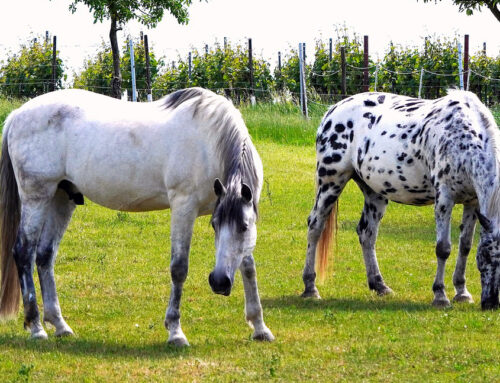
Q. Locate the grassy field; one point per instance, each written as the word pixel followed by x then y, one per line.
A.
pixel 113 283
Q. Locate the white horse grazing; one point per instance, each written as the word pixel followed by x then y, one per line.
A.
pixel 415 152
pixel 68 144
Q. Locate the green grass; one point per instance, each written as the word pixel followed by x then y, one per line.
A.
pixel 113 282
pixel 6 106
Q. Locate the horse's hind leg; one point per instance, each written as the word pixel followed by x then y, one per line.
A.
pixel 58 216
pixel 181 231
pixel 330 185
pixel 367 229
pixel 442 211
pixel 466 236
pixel 33 214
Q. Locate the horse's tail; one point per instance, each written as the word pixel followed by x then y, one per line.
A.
pixel 326 240
pixel 9 222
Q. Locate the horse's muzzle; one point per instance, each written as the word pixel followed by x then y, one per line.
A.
pixel 220 284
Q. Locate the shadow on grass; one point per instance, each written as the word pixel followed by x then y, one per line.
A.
pixel 95 348
pixel 345 304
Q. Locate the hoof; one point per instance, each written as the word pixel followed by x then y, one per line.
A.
pixel 314 293
pixel 263 336
pixel 463 298
pixel 41 334
pixel 385 290
pixel 179 341
pixel 64 333
pixel 489 305
pixel 441 303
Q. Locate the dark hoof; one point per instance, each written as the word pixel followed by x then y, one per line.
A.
pixel 314 293
pixel 463 298
pixel 385 290
pixel 179 341
pixel 441 303
pixel 264 336
pixel 489 305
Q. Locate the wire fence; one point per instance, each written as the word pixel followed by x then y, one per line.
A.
pixel 244 82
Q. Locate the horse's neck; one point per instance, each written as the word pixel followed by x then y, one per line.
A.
pixel 487 184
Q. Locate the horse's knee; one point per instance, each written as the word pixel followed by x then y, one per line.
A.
pixel 443 250
pixel 362 225
pixel 44 256
pixel 248 267
pixel 179 269
pixel 464 249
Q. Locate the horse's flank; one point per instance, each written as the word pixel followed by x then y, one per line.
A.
pixel 157 148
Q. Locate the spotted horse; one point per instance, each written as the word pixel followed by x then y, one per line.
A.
pixel 189 151
pixel 416 152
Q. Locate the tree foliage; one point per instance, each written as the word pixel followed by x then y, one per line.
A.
pixel 470 6
pixel 147 12
pixel 27 73
pixel 98 70
pixel 221 68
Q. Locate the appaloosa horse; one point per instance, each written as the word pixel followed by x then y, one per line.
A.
pixel 417 152
pixel 189 152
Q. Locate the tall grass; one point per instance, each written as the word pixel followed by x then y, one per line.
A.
pixel 7 106
pixel 282 123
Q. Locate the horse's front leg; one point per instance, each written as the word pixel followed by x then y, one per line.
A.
pixel 466 236
pixel 253 308
pixel 442 211
pixel 182 222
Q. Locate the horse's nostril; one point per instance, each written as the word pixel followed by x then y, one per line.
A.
pixel 220 284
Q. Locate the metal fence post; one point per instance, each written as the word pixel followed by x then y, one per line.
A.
pixel 460 68
pixel 303 95
pixel 132 70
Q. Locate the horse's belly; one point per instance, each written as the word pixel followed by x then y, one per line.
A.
pixel 398 181
pixel 125 199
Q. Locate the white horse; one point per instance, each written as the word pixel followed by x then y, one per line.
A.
pixel 62 146
pixel 415 152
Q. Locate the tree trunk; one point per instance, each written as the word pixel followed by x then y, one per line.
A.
pixel 494 9
pixel 116 83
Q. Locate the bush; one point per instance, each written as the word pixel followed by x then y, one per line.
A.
pixel 28 72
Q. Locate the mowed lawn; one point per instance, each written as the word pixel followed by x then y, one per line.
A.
pixel 113 282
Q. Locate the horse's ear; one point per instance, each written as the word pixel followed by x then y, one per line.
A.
pixel 485 222
pixel 246 193
pixel 219 188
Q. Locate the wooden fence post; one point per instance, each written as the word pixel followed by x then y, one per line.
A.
pixel 148 69
pixel 190 67
pixel 466 62
pixel 366 83
pixel 343 67
pixel 330 53
pixel 54 64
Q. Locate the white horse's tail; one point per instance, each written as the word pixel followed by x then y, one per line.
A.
pixel 9 222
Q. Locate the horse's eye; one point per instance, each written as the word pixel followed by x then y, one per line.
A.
pixel 244 227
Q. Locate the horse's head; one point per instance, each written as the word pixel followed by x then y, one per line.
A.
pixel 488 262
pixel 233 220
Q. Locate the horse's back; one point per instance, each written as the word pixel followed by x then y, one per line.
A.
pixel 122 155
pixel 396 144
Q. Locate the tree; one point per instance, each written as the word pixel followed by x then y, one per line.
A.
pixel 147 12
pixel 469 6
pixel 28 73
pixel 97 70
